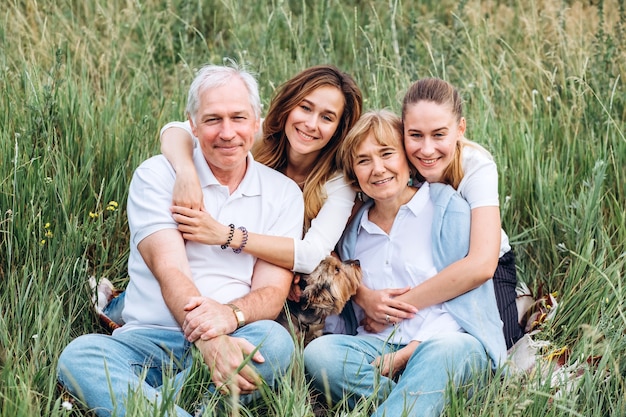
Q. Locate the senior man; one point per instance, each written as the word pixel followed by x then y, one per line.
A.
pixel 204 289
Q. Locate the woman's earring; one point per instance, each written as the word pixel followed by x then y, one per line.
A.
pixel 410 183
pixel 359 195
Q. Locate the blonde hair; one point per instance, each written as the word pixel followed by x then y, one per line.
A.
pixel 443 93
pixel 272 150
pixel 387 130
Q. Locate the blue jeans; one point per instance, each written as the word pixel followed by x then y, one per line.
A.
pixel 342 364
pixel 113 310
pixel 102 370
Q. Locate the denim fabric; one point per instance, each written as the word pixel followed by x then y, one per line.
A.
pixel 113 310
pixel 101 370
pixel 449 358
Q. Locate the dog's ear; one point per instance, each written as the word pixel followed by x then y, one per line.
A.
pixel 346 283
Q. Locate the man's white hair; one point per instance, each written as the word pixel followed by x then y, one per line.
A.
pixel 212 76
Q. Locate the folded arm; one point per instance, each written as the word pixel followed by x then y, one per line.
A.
pixel 458 278
pixel 225 354
pixel 270 285
pixel 164 253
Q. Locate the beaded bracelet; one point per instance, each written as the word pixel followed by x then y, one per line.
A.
pixel 244 239
pixel 230 236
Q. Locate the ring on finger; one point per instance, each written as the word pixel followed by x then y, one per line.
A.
pixel 387 318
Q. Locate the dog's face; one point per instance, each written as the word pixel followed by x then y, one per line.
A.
pixel 330 286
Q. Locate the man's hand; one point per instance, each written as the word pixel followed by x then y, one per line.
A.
pixel 224 355
pixel 296 291
pixel 206 319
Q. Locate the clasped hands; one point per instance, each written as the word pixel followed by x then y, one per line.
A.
pixel 208 325
pixel 382 308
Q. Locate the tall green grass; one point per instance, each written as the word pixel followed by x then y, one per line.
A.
pixel 86 85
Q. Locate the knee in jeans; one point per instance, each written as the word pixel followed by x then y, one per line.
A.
pixel 314 353
pixel 457 346
pixel 76 349
pixel 275 342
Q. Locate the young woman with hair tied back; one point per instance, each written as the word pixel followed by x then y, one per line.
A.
pixel 435 143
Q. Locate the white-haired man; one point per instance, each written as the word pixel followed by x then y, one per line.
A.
pixel 201 289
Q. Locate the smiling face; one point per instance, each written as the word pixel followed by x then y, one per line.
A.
pixel 431 133
pixel 382 171
pixel 225 126
pixel 313 122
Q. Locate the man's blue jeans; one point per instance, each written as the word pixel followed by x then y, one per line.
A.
pixel 342 364
pixel 101 370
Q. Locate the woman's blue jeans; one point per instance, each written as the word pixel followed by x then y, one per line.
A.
pixel 102 370
pixel 342 364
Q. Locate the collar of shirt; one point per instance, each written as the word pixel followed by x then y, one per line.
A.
pixel 249 186
pixel 414 206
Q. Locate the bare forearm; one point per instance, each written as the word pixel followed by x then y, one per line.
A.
pixel 262 303
pixel 469 272
pixel 454 280
pixel 277 250
pixel 164 254
pixel 176 294
pixel 177 147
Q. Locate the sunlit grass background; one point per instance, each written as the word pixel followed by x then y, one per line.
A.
pixel 86 85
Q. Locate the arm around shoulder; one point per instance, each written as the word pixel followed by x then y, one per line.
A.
pixel 177 146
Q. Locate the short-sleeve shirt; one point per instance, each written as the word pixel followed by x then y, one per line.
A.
pixel 265 202
pixel 479 186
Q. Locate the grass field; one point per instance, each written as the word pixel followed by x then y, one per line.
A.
pixel 86 85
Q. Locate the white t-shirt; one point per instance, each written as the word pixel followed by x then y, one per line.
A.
pixel 399 259
pixel 479 186
pixel 326 228
pixel 265 202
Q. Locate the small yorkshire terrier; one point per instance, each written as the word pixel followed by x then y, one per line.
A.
pixel 325 291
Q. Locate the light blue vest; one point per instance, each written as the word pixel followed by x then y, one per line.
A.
pixel 476 310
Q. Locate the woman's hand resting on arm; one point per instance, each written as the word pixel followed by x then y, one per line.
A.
pixel 199 226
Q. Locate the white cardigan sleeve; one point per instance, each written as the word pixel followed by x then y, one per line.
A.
pixel 326 228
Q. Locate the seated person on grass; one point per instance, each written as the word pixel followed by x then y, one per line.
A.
pixel 179 290
pixel 402 236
